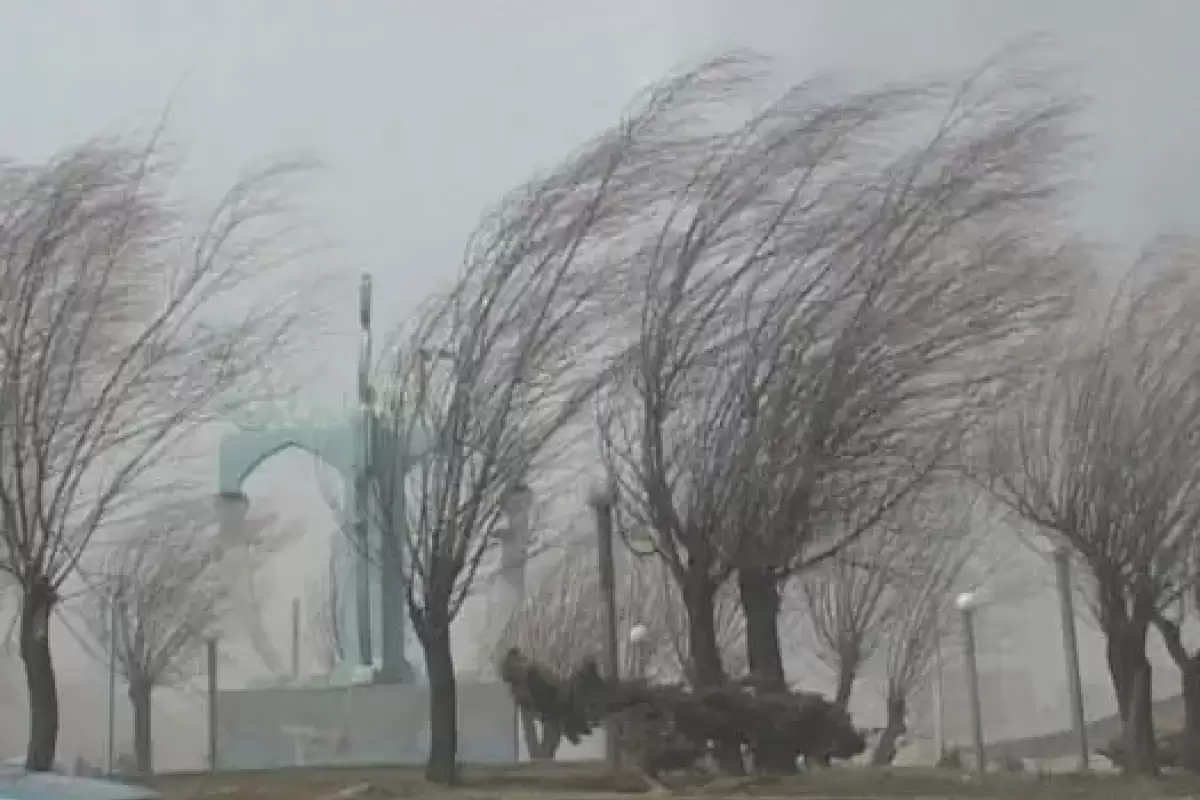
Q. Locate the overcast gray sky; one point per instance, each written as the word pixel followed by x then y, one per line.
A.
pixel 424 112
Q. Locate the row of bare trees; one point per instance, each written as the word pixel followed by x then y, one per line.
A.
pixel 797 320
pixel 793 318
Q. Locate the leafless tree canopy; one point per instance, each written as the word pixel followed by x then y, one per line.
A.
pixel 1099 452
pixel 168 586
pixel 160 592
pixel 122 327
pixel 888 593
pixel 847 286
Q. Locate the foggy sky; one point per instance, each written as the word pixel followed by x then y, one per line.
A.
pixel 424 112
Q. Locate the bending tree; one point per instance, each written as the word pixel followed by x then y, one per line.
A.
pixel 822 319
pixel 907 333
pixel 121 329
pixel 496 370
pixel 162 592
pixel 1099 455
pixel 721 277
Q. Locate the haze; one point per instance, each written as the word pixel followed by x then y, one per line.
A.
pixel 423 113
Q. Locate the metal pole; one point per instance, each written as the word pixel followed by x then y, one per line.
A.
pixel 1062 565
pixel 939 703
pixel 968 622
pixel 361 482
pixel 295 639
pixel 111 743
pixel 602 503
pixel 212 704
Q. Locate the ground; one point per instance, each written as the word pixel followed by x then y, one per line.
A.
pixel 589 782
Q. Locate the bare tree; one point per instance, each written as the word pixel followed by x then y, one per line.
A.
pixel 324 600
pixel 849 603
pixel 717 293
pixel 121 329
pixel 943 560
pixel 824 318
pixel 496 369
pixel 161 592
pixel 947 269
pixel 1099 455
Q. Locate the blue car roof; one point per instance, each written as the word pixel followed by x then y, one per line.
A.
pixel 16 784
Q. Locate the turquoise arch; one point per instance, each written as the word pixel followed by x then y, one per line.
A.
pixel 242 452
pixel 375 598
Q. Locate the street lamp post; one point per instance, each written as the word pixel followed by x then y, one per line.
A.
pixel 1062 568
pixel 211 658
pixel 601 499
pixel 939 701
pixel 513 554
pixel 111 743
pixel 639 641
pixel 966 603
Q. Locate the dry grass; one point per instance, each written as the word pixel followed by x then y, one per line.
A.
pixel 589 782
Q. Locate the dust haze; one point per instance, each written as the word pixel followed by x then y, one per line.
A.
pixel 423 113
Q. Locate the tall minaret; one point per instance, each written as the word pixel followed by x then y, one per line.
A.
pixel 508 592
pixel 360 487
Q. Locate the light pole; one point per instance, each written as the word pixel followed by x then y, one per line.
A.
pixel 110 745
pixel 1062 569
pixel 513 552
pixel 639 641
pixel 602 498
pixel 939 702
pixel 211 657
pixel 966 603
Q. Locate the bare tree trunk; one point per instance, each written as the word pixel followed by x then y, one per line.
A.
pixel 542 740
pixel 140 692
pixel 1188 755
pixel 1132 675
pixel 442 766
pixel 885 748
pixel 704 655
pixel 1189 743
pixel 759 591
pixel 36 606
pixel 847 674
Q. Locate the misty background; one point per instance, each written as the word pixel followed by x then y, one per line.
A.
pixel 421 114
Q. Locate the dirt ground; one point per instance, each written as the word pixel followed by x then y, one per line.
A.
pixel 590 782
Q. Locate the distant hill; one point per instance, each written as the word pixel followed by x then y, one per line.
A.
pixel 1168 716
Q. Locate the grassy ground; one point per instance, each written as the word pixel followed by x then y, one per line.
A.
pixel 589 782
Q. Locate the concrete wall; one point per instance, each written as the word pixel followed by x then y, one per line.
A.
pixel 369 724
